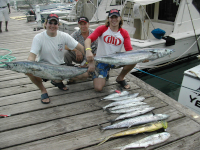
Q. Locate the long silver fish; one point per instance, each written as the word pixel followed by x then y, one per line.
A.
pixel 129 96
pixel 136 121
pixel 126 110
pixel 127 105
pixel 116 94
pixel 134 113
pixel 145 142
pixel 133 57
pixel 137 99
pixel 44 70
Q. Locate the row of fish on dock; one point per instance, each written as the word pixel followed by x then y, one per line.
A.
pixel 132 112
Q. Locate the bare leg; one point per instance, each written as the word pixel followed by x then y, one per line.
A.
pixel 123 73
pixel 38 82
pixel 83 76
pixel 6 23
pixel 99 83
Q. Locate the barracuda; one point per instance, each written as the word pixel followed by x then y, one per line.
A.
pixel 114 95
pixel 137 99
pixel 129 96
pixel 136 121
pixel 134 57
pixel 134 113
pixel 44 70
pixel 139 129
pixel 145 142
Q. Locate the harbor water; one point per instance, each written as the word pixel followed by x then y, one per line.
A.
pixel 169 79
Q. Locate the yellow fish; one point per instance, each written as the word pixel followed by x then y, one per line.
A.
pixel 139 129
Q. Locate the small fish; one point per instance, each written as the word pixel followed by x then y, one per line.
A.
pixel 145 142
pixel 139 129
pixel 129 96
pixel 134 113
pixel 117 94
pixel 136 121
pixel 127 105
pixel 126 110
pixel 45 70
pixel 137 99
pixel 134 57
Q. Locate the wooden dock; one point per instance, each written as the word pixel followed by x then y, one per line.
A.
pixel 71 120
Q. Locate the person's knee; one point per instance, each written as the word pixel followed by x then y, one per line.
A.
pixel 98 88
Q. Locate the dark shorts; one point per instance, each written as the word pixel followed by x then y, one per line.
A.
pixel 101 70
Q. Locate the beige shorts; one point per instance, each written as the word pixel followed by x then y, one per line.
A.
pixel 4 14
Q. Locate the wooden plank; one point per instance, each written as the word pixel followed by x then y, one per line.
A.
pixel 61 126
pixel 88 136
pixel 64 110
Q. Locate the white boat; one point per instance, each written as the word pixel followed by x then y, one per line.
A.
pixel 189 95
pixel 179 19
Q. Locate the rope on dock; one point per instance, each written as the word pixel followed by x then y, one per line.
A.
pixel 6 58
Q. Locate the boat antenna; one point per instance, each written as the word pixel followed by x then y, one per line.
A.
pixel 193 27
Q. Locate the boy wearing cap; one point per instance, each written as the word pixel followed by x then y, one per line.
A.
pixel 49 46
pixel 80 36
pixel 111 38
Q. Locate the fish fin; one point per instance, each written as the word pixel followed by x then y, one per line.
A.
pixel 108 111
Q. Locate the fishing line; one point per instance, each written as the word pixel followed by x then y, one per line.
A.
pixel 166 80
pixel 7 57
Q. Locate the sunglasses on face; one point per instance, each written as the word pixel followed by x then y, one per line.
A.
pixel 55 23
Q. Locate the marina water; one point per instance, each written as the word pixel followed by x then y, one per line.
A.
pixel 173 73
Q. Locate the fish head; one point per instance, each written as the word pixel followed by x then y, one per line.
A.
pixel 14 66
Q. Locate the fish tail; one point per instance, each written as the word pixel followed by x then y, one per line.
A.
pixel 111 121
pixel 108 111
pixel 100 128
pixel 106 139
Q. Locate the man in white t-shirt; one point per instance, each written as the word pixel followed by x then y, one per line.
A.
pixel 4 13
pixel 49 46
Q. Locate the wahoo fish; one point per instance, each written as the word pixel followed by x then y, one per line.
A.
pixel 139 129
pixel 45 70
pixel 117 94
pixel 136 121
pixel 129 96
pixel 127 105
pixel 137 99
pixel 134 113
pixel 134 57
pixel 145 142
pixel 126 110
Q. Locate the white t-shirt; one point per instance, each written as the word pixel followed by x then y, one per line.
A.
pixel 4 3
pixel 51 49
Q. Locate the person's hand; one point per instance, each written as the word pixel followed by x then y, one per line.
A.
pixel 79 56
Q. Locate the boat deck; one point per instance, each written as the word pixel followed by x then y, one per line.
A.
pixel 71 120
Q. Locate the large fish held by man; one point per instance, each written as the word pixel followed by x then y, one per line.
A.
pixel 134 57
pixel 45 70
